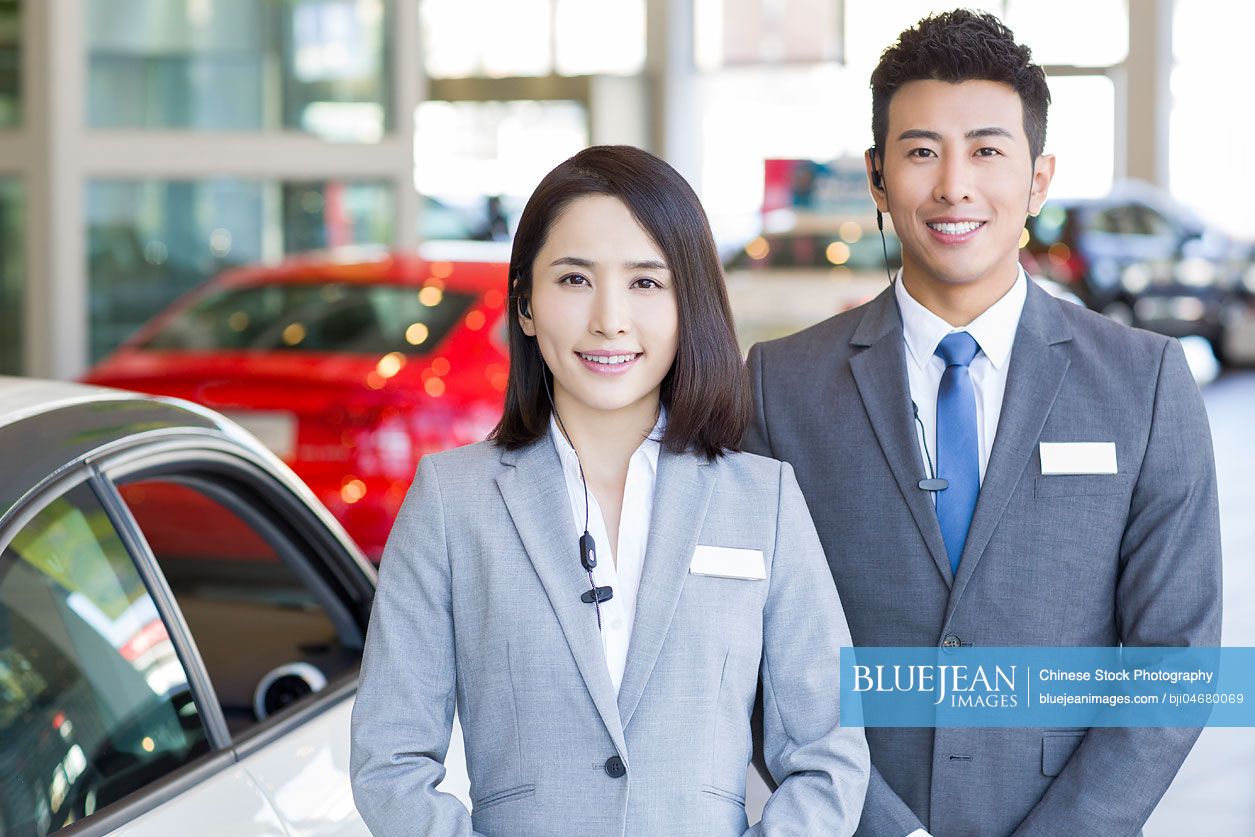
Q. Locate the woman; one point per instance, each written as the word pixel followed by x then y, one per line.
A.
pixel 598 587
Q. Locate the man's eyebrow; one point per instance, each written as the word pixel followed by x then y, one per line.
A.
pixel 976 133
pixel 989 132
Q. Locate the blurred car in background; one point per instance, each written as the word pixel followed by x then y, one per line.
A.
pixel 782 281
pixel 350 365
pixel 1143 259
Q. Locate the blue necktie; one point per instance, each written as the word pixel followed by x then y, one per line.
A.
pixel 958 454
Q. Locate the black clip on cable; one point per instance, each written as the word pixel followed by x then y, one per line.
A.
pixel 588 547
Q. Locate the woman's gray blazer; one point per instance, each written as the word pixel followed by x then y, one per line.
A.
pixel 479 603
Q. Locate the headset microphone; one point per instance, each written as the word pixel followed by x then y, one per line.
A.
pixel 588 546
pixel 933 483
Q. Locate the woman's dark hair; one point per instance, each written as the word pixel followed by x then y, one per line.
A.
pixel 706 391
pixel 961 46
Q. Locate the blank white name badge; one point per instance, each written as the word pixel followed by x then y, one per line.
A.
pixel 1078 457
pixel 727 562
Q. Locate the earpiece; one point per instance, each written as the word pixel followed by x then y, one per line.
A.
pixel 877 180
pixel 525 307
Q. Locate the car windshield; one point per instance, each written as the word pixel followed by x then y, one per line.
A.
pixel 315 317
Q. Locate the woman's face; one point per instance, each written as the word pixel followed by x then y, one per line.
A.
pixel 603 309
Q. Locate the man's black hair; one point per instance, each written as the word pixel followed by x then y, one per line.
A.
pixel 956 46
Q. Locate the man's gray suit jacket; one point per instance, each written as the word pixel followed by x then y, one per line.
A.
pixel 1082 560
pixel 479 604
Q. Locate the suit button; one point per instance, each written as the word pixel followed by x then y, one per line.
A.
pixel 615 767
pixel 951 641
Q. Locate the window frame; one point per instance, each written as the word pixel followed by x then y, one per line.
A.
pixel 199 768
pixel 286 520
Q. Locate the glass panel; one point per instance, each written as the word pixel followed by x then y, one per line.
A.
pixel 94 703
pixel 149 242
pixel 734 32
pixel 468 154
pixel 309 65
pixel 878 24
pixel 10 63
pixel 1080 132
pixel 316 317
pixel 335 213
pixel 495 38
pixel 1051 30
pixel 1207 124
pixel 247 599
pixel 12 275
pixel 599 37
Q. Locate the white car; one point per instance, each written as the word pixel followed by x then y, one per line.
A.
pixel 181 626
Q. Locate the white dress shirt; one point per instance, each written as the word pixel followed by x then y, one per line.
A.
pixel 619 614
pixel 994 331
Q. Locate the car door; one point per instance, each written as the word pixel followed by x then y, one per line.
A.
pixel 277 604
pixel 104 713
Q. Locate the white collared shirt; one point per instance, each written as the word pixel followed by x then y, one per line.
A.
pixel 994 331
pixel 619 614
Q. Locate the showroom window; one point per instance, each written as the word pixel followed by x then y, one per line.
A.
pixel 316 66
pixel 467 150
pixel 1209 125
pixel 510 101
pixel 10 63
pixel 151 241
pixel 256 608
pixel 729 33
pixel 96 703
pixel 12 276
pixel 532 37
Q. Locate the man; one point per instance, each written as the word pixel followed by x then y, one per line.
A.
pixel 964 371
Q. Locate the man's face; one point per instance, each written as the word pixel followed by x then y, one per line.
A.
pixel 959 181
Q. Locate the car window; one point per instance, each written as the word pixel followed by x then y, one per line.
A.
pixel 94 702
pixel 1117 220
pixel 1151 222
pixel 316 317
pixel 255 607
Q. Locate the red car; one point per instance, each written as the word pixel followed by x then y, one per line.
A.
pixel 350 368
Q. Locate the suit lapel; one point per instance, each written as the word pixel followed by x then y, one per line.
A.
pixel 534 490
pixel 1039 360
pixel 681 494
pixel 880 373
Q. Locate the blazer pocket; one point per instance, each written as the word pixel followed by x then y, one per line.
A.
pixel 1081 485
pixel 1057 749
pixel 497 797
pixel 727 796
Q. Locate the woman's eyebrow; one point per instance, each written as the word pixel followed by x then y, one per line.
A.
pixel 575 261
